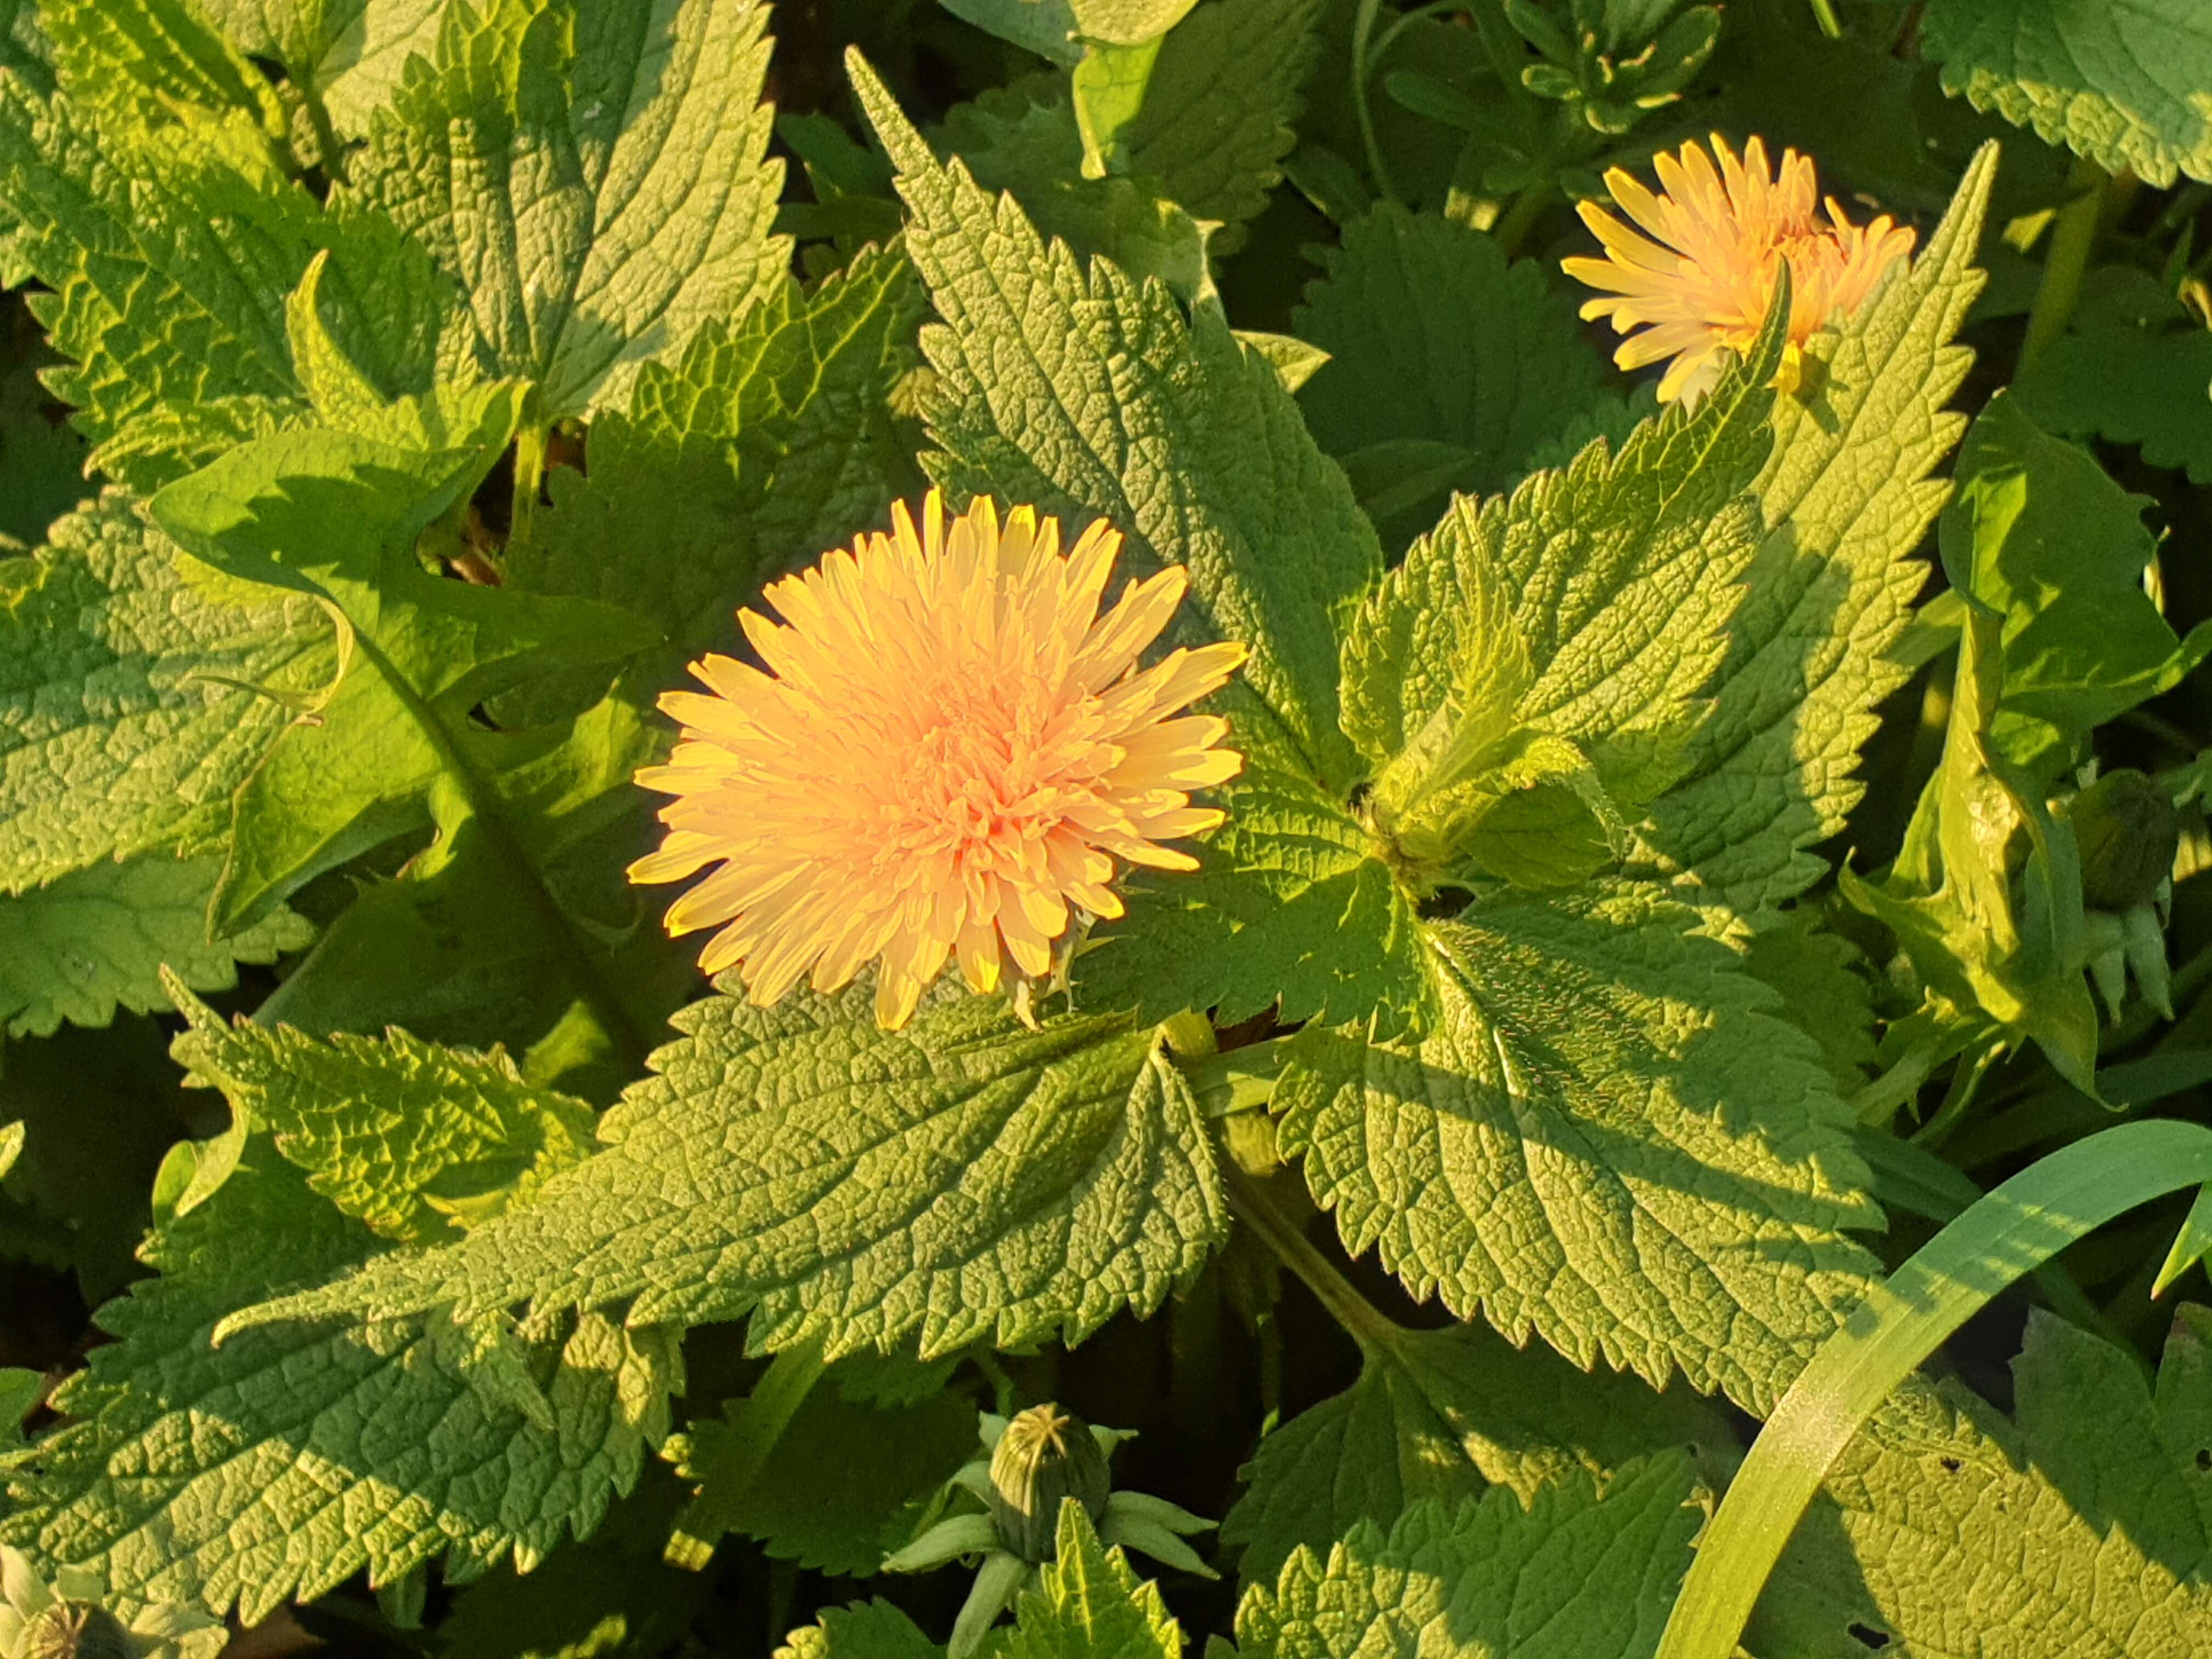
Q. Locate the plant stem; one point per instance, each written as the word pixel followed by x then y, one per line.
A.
pixel 1362 28
pixel 2063 267
pixel 326 137
pixel 1514 225
pixel 1824 14
pixel 529 478
pixel 1251 1202
pixel 753 1431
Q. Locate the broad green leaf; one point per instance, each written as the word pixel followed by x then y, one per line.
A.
pixel 1569 627
pixel 1606 1138
pixel 1847 496
pixel 1289 905
pixel 2128 85
pixel 1087 1603
pixel 335 515
pixel 136 59
pixel 1436 341
pixel 592 176
pixel 127 716
pixel 1442 1415
pixel 96 940
pixel 844 1483
pixel 1126 22
pixel 2083 1526
pixel 1047 27
pixel 285 1462
pixel 963 1176
pixel 2136 368
pixel 171 255
pixel 1582 1571
pixel 347 54
pixel 769 440
pixel 1079 390
pixel 867 1630
pixel 1822 980
pixel 2045 538
pixel 412 1139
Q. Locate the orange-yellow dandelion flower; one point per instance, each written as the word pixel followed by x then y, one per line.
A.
pixel 948 748
pixel 1701 291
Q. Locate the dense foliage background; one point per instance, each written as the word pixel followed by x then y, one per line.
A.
pixel 397 393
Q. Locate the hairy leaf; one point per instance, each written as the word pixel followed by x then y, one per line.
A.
pixel 1607 1139
pixel 1582 1571
pixel 1088 1604
pixel 963 1176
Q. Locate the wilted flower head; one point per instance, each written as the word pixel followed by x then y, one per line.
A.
pixel 948 748
pixel 1702 289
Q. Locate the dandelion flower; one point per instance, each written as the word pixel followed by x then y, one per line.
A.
pixel 948 750
pixel 1701 290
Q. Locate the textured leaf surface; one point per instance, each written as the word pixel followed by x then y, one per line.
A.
pixel 118 732
pixel 2083 1528
pixel 1079 390
pixel 1440 354
pixel 867 1630
pixel 1847 496
pixel 1576 1574
pixel 963 1176
pixel 139 58
pixel 386 1130
pixel 1607 1139
pixel 1088 1604
pixel 2128 84
pixel 96 940
pixel 285 1462
pixel 1442 1415
pixel 2136 368
pixel 594 178
pixel 767 442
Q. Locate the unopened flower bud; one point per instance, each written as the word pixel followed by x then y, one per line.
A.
pixel 1046 1454
pixel 73 1630
pixel 2128 833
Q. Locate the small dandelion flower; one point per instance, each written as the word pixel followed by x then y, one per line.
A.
pixel 1701 291
pixel 948 750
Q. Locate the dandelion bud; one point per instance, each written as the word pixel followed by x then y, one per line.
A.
pixel 73 1630
pixel 1046 1454
pixel 2127 832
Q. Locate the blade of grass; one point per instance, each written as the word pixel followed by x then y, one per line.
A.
pixel 2007 1233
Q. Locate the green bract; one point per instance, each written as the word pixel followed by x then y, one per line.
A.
pixel 1677 854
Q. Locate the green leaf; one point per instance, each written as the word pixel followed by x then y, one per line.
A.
pixel 1087 1603
pixel 411 1139
pixel 867 1630
pixel 2043 537
pixel 1954 1531
pixel 1606 1138
pixel 1847 497
pixel 963 1176
pixel 1082 393
pixel 137 59
pixel 2122 85
pixel 126 712
pixel 1047 27
pixel 1442 1415
pixel 1822 980
pixel 770 439
pixel 844 1483
pixel 285 1462
pixel 96 940
pixel 1582 617
pixel 1582 1571
pixel 592 176
pixel 2136 368
pixel 1434 339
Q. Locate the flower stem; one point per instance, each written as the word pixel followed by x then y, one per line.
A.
pixel 529 478
pixel 754 1429
pixel 2063 267
pixel 1520 217
pixel 326 138
pixel 1824 14
pixel 1362 28
pixel 1257 1207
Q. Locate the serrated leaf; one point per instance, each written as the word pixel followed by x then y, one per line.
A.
pixel 1434 339
pixel 1582 1571
pixel 1821 978
pixel 1081 391
pixel 287 1460
pixel 768 440
pixel 1606 1138
pixel 1088 1603
pixel 867 1630
pixel 137 59
pixel 96 940
pixel 125 719
pixel 2081 1528
pixel 1846 497
pixel 2124 85
pixel 1442 1415
pixel 593 177
pixel 397 1133
pixel 2136 368
pixel 963 1176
